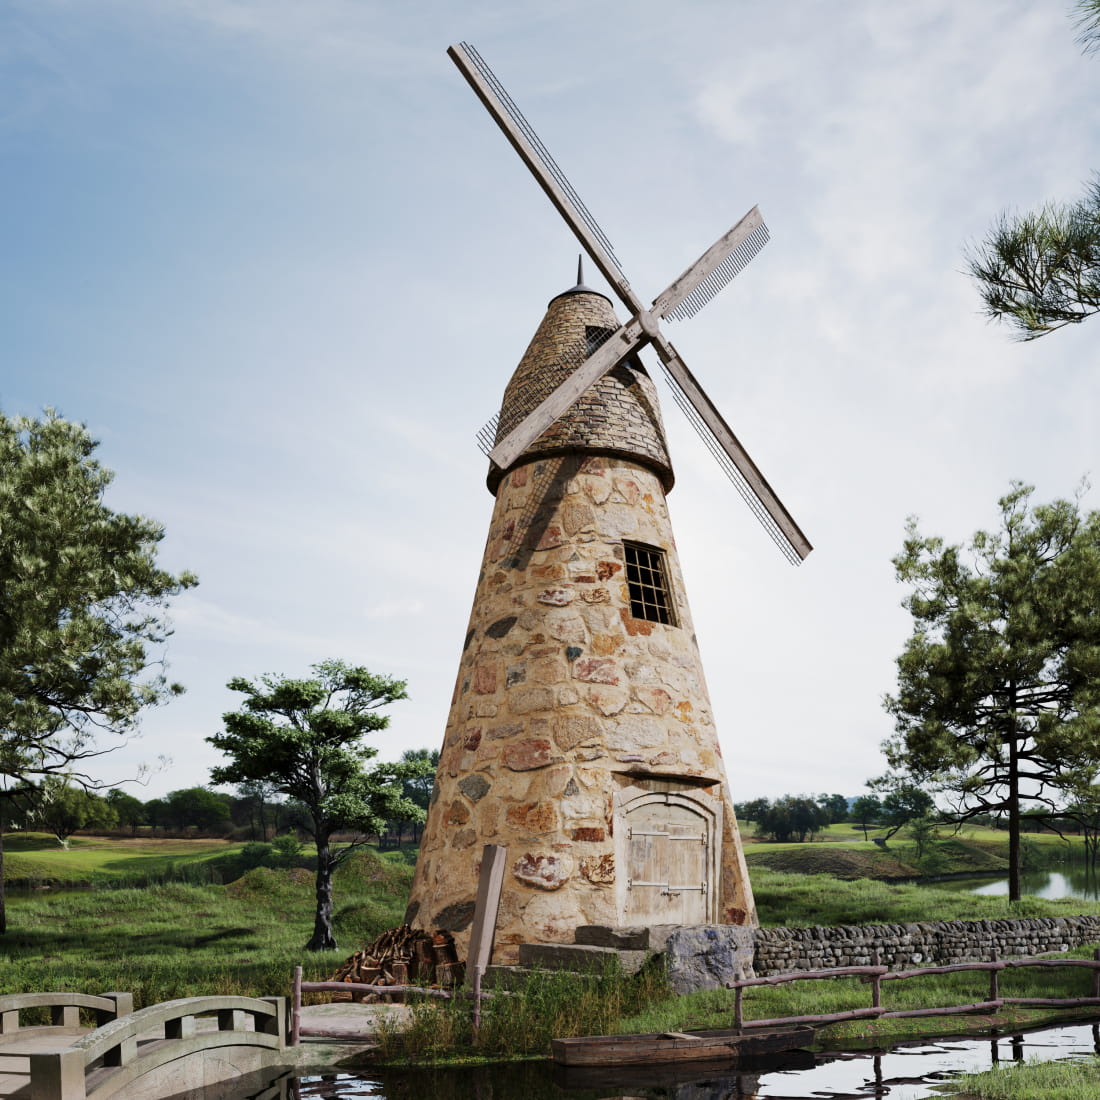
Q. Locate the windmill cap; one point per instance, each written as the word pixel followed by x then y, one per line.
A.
pixel 580 288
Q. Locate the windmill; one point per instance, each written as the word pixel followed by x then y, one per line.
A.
pixel 580 734
pixel 682 299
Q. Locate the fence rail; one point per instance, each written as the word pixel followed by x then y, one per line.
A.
pixel 875 975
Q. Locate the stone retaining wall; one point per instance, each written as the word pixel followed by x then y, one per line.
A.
pixel 779 950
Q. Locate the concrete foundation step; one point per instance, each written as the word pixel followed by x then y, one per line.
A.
pixel 585 958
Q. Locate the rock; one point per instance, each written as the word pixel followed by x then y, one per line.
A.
pixel 708 956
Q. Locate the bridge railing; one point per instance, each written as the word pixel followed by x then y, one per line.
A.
pixel 64 1008
pixel 105 1061
pixel 875 975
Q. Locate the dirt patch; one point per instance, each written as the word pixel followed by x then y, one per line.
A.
pixel 833 861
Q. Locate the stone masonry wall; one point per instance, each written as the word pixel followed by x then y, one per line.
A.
pixel 779 950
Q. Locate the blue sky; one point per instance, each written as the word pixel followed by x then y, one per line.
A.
pixel 279 260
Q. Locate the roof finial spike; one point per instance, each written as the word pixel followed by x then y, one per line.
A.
pixel 580 269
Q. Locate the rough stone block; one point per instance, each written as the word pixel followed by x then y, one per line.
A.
pixel 708 956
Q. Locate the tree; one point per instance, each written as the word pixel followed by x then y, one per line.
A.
pixel 130 810
pixel 62 808
pixel 306 738
pixel 903 803
pixel 835 805
pixel 1040 271
pixel 418 789
pixel 866 811
pixel 789 817
pixel 81 602
pixel 999 684
pixel 197 808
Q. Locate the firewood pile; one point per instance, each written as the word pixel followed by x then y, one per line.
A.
pixel 402 956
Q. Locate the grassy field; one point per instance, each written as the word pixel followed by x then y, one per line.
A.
pixel 841 850
pixel 179 940
pixel 37 859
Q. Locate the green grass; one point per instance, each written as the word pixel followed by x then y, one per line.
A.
pixel 179 940
pixel 37 859
pixel 550 1004
pixel 798 900
pixel 715 1008
pixel 1061 1080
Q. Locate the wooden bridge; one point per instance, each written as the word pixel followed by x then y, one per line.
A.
pixel 209 1046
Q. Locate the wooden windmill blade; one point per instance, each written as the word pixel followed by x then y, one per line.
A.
pixel 683 298
pixel 544 168
pixel 735 461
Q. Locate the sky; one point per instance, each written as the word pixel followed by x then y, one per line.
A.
pixel 280 261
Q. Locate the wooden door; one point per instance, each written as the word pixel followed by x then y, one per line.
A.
pixel 669 862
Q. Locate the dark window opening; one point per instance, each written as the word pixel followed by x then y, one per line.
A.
pixel 647 584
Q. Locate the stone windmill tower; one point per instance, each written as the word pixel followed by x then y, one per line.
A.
pixel 580 734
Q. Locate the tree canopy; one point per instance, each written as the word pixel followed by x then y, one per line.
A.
pixel 81 601
pixel 1040 271
pixel 306 738
pixel 998 693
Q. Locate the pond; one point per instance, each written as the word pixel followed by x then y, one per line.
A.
pixel 908 1072
pixel 1069 881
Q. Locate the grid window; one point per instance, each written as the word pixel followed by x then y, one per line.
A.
pixel 647 584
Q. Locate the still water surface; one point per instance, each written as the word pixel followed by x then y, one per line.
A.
pixel 903 1073
pixel 1069 881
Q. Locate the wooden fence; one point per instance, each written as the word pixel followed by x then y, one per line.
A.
pixel 876 975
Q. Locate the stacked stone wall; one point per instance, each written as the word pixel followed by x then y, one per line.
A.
pixel 780 950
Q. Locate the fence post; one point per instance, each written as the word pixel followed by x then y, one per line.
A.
pixel 738 1009
pixel 296 1008
pixel 1096 974
pixel 876 991
pixel 994 979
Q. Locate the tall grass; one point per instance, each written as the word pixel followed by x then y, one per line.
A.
pixel 1063 1080
pixel 182 940
pixel 549 1004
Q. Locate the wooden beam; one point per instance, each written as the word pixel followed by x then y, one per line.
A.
pixel 729 443
pixel 680 288
pixel 489 883
pixel 609 269
pixel 621 345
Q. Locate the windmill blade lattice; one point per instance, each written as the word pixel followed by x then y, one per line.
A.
pixel 722 276
pixel 745 491
pixel 542 152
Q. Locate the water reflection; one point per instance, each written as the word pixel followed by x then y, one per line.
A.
pixel 903 1073
pixel 1070 881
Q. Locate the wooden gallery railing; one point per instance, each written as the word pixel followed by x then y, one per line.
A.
pixel 876 975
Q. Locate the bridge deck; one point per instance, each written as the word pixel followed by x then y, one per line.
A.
pixel 312 1053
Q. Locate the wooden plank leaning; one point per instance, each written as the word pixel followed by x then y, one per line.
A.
pixel 489 882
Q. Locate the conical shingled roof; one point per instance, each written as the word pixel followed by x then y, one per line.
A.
pixel 618 416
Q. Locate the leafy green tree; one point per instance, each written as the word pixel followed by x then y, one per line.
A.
pixel 418 789
pixel 866 811
pixel 835 805
pixel 81 602
pixel 903 802
pixel 81 607
pixel 789 817
pixel 753 810
pixel 306 738
pixel 197 808
pixel 62 807
pixel 998 693
pixel 1040 271
pixel 129 810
